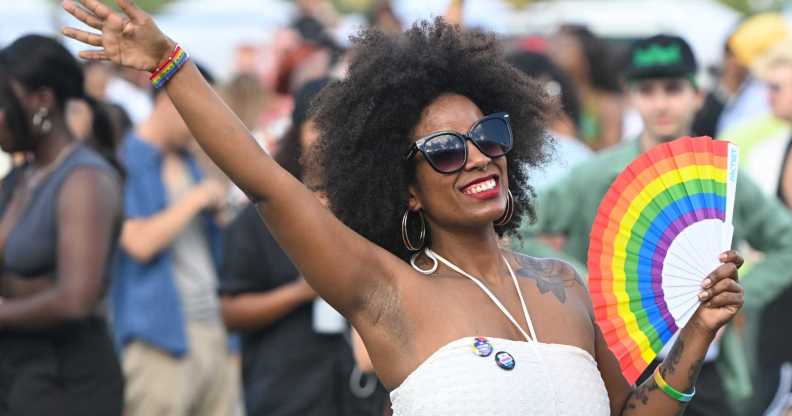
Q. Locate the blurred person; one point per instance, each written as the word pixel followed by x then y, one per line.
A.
pixel 666 95
pixel 247 98
pixel 165 309
pixel 768 159
pixel 747 118
pixel 777 72
pixel 289 367
pixel 587 60
pixel 390 148
pixel 563 124
pixel 120 121
pixel 771 160
pixel 100 124
pixel 79 118
pixel 383 17
pixel 60 214
pixel 454 13
pixel 97 76
pixel 132 90
pixel 568 151
pixel 246 59
pixel 732 77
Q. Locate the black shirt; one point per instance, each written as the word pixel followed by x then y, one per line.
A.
pixel 287 368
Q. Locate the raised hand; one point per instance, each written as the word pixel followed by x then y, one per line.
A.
pixel 131 39
pixel 722 295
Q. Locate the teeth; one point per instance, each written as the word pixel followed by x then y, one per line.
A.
pixel 480 187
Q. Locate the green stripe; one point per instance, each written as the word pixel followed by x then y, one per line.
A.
pixel 647 216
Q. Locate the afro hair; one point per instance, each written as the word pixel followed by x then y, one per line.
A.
pixel 367 120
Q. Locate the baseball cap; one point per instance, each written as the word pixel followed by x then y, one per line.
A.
pixel 660 56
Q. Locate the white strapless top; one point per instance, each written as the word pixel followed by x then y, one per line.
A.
pixel 547 379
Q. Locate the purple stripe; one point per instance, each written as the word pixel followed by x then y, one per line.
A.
pixel 661 249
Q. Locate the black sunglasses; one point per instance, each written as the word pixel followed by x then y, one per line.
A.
pixel 446 151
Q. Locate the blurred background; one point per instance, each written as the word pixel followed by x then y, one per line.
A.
pixel 269 57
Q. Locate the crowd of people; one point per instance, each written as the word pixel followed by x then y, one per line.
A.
pixel 155 260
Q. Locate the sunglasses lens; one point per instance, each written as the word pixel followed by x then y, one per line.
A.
pixel 446 152
pixel 493 137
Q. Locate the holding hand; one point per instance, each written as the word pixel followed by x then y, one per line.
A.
pixel 722 294
pixel 131 39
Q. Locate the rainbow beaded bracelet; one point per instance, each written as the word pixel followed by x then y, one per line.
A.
pixel 171 66
pixel 670 391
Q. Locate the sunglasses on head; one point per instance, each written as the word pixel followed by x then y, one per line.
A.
pixel 446 151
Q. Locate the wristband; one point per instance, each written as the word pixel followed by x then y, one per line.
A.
pixel 166 70
pixel 670 391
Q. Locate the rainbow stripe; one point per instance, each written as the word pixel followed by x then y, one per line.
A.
pixel 169 68
pixel 660 194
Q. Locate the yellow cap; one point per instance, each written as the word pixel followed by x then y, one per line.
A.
pixel 756 35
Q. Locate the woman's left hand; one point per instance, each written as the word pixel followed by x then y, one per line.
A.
pixel 722 294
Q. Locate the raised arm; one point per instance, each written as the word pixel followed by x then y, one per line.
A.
pixel 721 297
pixel 342 266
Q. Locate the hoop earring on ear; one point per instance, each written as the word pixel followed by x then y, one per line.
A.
pixel 507 215
pixel 406 236
pixel 41 122
pixel 428 271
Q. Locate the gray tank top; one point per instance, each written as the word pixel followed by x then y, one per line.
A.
pixel 31 246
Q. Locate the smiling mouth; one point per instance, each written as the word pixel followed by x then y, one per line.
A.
pixel 481 186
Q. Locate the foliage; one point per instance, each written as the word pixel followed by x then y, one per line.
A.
pixel 151 6
pixel 748 7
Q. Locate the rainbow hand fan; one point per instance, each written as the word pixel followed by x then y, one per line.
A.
pixel 657 235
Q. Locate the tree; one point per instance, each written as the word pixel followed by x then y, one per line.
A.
pixel 151 6
pixel 748 7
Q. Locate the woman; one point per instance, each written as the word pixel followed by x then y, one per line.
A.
pixel 586 59
pixel 389 159
pixel 59 218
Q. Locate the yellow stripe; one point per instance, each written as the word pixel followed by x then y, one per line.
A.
pixel 637 205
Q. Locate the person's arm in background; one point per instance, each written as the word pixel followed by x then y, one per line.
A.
pixel 251 311
pixel 144 238
pixel 245 268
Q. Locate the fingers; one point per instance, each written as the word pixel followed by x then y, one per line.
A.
pixel 97 8
pixel 83 36
pixel 82 15
pixel 732 256
pixel 723 286
pixel 724 271
pixel 726 299
pixel 96 55
pixel 131 10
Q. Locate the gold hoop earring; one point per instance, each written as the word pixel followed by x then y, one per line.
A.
pixel 507 215
pixel 406 236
